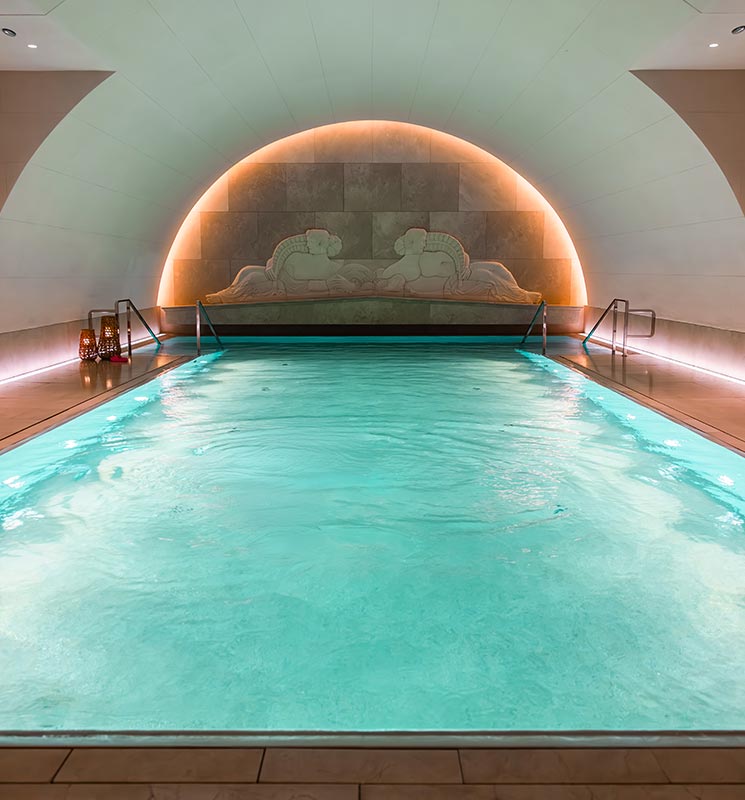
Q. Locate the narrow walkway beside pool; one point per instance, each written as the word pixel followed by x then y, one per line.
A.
pixel 706 402
pixel 371 774
pixel 32 404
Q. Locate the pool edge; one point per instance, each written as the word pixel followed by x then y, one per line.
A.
pixel 391 739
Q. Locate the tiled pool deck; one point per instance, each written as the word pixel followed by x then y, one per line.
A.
pixel 30 405
pixel 371 774
pixel 713 405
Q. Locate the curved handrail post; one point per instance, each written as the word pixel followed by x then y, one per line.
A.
pixel 200 309
pixel 542 307
pixel 544 325
pixel 613 307
pixel 130 306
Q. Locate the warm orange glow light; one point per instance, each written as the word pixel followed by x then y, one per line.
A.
pixel 443 147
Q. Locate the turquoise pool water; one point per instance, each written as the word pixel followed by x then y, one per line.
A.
pixel 369 536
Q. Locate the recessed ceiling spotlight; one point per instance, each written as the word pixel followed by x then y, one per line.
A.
pixel 9 32
pixel 739 29
pixel 714 44
pixel 32 46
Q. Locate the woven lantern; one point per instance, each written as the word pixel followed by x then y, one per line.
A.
pixel 88 349
pixel 108 342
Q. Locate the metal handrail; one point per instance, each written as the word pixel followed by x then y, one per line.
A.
pixel 109 311
pixel 652 320
pixel 543 306
pixel 627 311
pixel 130 308
pixel 200 309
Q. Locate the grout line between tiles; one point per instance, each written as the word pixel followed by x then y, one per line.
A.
pixel 62 764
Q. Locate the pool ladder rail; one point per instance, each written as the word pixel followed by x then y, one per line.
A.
pixel 129 308
pixel 627 311
pixel 200 312
pixel 543 311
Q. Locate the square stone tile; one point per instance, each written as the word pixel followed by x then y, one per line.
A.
pixel 514 234
pixel 552 277
pixel 229 235
pixel 429 187
pixel 561 766
pixel 29 765
pixel 468 227
pixel 315 187
pixel 354 228
pixel 257 187
pixel 329 765
pixel 216 198
pixel 394 143
pixel 387 226
pixel 189 243
pixel 703 765
pixel 272 228
pixel 528 197
pixel 161 765
pixel 345 142
pixel 449 148
pixel 193 279
pixel 487 187
pixel 296 149
pixel 372 187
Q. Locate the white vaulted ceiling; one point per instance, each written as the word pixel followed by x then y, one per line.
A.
pixel 543 84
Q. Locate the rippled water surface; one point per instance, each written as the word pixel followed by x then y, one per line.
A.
pixel 366 536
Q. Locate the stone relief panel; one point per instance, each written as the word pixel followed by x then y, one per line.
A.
pixel 369 183
pixel 430 264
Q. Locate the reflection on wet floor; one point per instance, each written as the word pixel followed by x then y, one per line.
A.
pixel 711 404
pixel 31 404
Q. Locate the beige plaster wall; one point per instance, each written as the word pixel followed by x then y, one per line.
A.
pixel 368 182
pixel 25 350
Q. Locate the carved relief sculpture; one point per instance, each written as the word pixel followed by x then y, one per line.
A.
pixel 300 267
pixel 431 265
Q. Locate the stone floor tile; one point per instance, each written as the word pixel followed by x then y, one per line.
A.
pixel 720 791
pixel 602 792
pixel 205 791
pixel 561 766
pixel 30 765
pixel 177 791
pixel 66 791
pixel 703 765
pixel 161 765
pixel 362 765
pixel 429 792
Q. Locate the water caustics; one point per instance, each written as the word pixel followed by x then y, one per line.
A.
pixel 372 536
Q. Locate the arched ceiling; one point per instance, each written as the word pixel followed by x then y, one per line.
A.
pixel 543 84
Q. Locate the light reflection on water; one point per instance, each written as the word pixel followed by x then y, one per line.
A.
pixel 372 536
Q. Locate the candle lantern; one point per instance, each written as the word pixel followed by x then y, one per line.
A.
pixel 108 342
pixel 88 349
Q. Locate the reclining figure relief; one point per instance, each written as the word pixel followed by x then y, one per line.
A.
pixel 431 265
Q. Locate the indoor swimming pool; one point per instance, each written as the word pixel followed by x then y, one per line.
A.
pixel 367 535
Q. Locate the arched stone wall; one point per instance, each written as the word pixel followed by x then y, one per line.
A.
pixel 368 182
